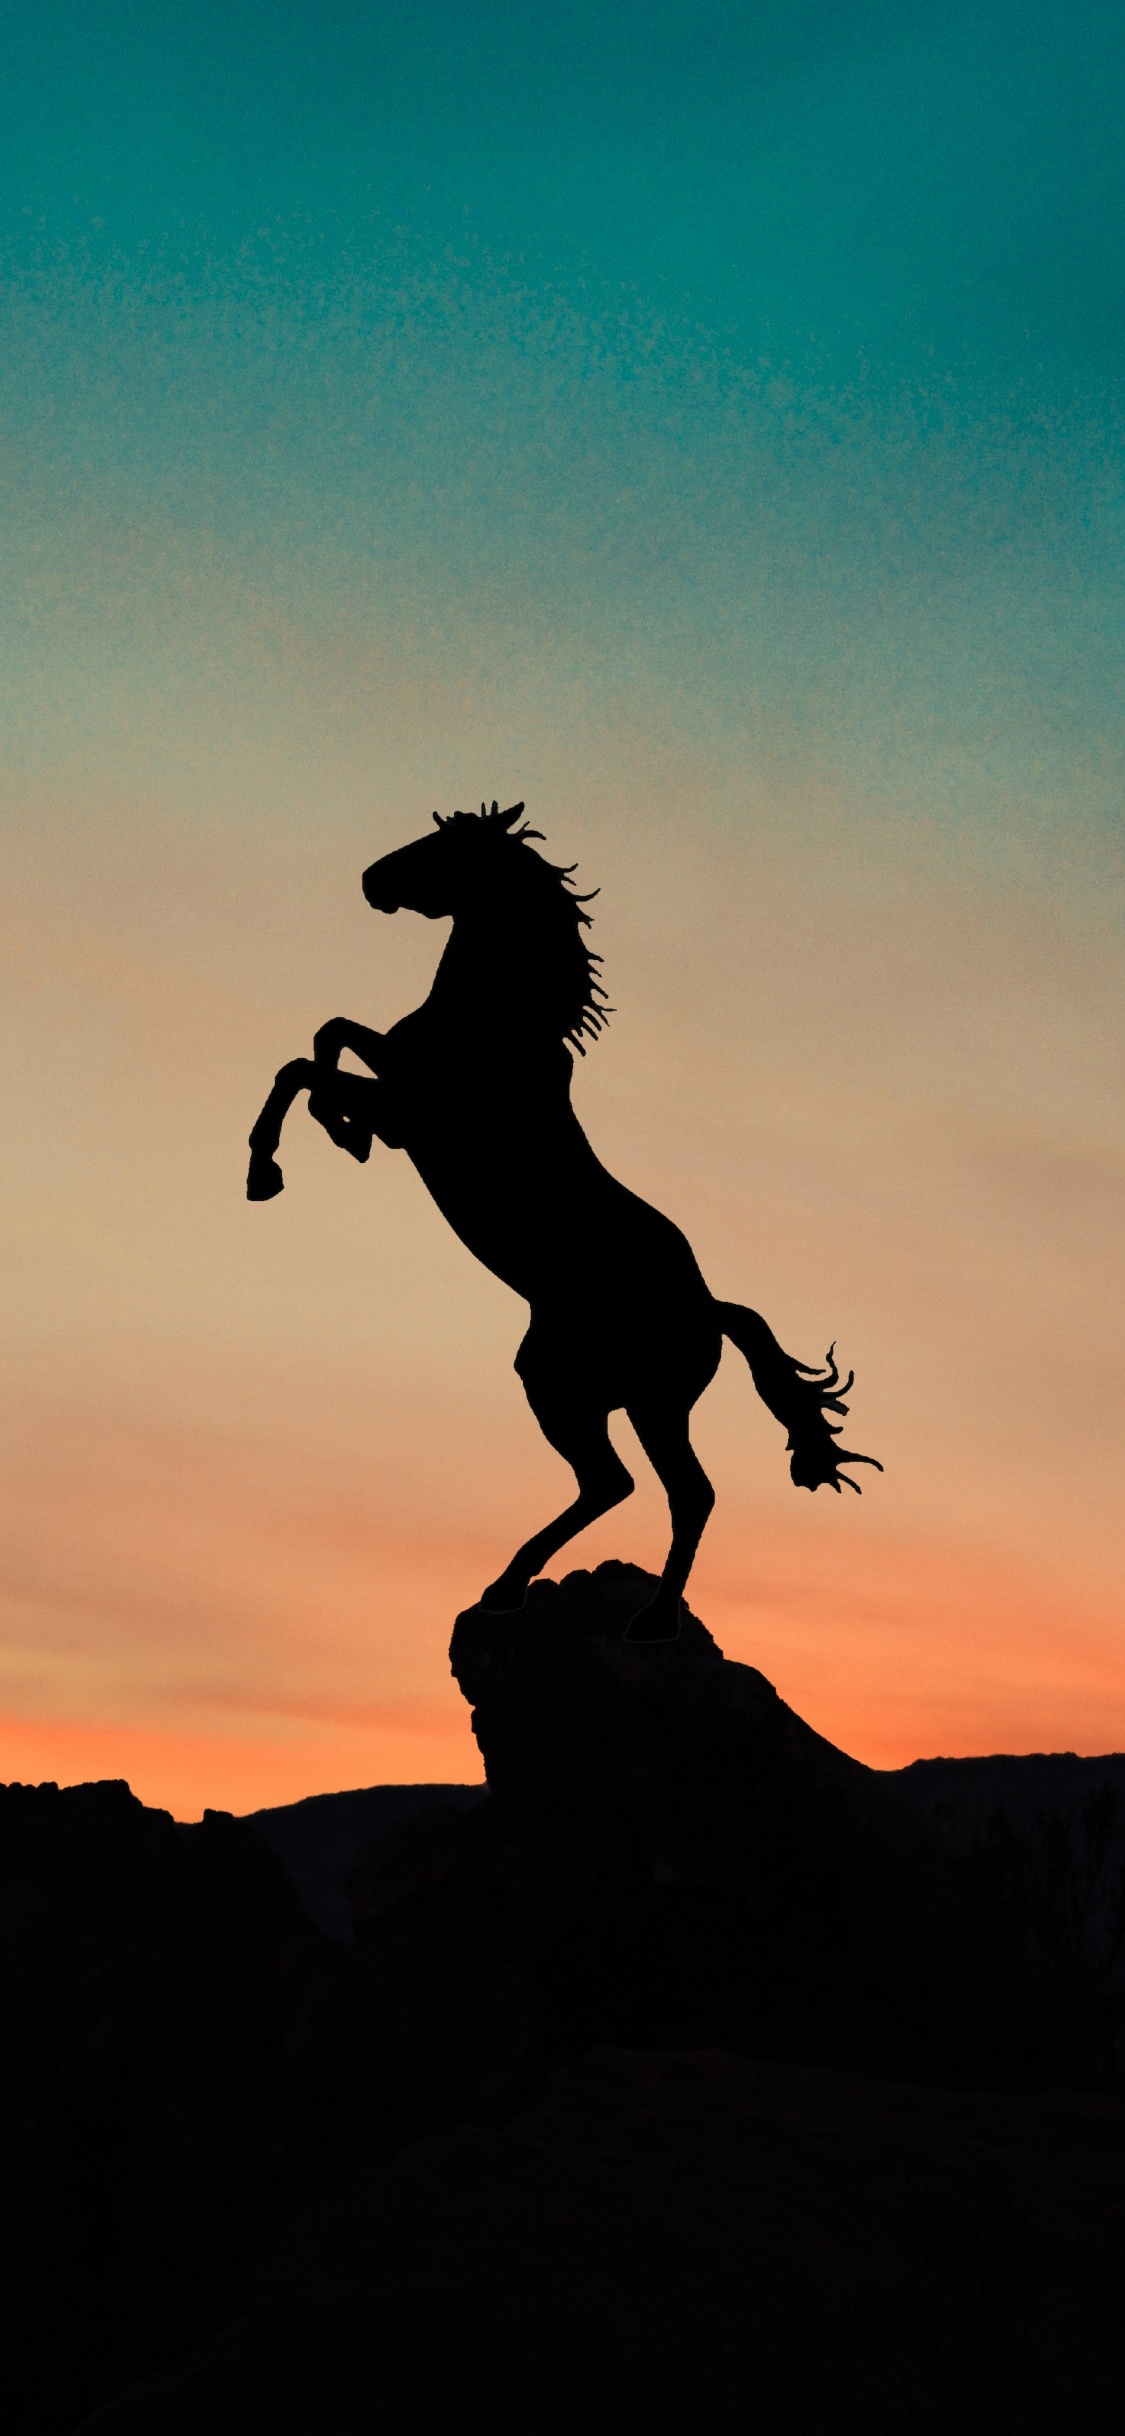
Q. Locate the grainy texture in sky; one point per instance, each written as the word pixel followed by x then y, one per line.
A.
pixel 705 422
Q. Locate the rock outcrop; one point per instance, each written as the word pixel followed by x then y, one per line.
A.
pixel 687 1863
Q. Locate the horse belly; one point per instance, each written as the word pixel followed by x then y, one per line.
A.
pixel 630 1310
pixel 600 1268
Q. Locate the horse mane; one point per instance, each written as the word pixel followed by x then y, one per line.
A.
pixel 565 968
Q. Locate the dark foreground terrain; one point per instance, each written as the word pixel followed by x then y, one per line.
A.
pixel 694 2075
pixel 682 2241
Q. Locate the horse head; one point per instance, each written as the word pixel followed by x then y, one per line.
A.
pixel 525 915
pixel 442 874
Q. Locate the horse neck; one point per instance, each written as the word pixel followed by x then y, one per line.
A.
pixel 490 976
pixel 465 977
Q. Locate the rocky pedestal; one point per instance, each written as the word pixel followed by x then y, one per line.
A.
pixel 686 1863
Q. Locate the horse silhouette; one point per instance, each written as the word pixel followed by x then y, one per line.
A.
pixel 475 1086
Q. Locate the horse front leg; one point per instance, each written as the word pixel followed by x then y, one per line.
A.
pixel 342 1103
pixel 351 1109
pixel 340 1033
pixel 265 1178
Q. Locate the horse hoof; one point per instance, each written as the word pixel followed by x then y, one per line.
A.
pixel 503 1598
pixel 659 1621
pixel 265 1179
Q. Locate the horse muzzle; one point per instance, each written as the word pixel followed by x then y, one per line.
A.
pixel 378 892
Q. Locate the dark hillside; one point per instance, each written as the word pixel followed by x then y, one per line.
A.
pixel 805 2160
pixel 319 1838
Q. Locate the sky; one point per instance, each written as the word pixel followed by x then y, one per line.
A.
pixel 704 422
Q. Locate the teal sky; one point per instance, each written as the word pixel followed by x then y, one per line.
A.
pixel 706 422
pixel 777 348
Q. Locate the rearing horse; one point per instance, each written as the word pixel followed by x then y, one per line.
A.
pixel 475 1087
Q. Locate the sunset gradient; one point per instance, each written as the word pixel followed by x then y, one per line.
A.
pixel 705 423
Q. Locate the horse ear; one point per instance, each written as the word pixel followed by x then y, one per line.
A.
pixel 439 820
pixel 508 818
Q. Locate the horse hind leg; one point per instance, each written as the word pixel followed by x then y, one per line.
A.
pixel 583 1438
pixel 663 1433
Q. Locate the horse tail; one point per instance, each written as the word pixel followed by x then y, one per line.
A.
pixel 800 1397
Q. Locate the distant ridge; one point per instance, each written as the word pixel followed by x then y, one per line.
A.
pixel 1024 1786
pixel 318 1838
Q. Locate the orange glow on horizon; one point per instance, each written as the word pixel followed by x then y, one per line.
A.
pixel 915 1652
pixel 188 1773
